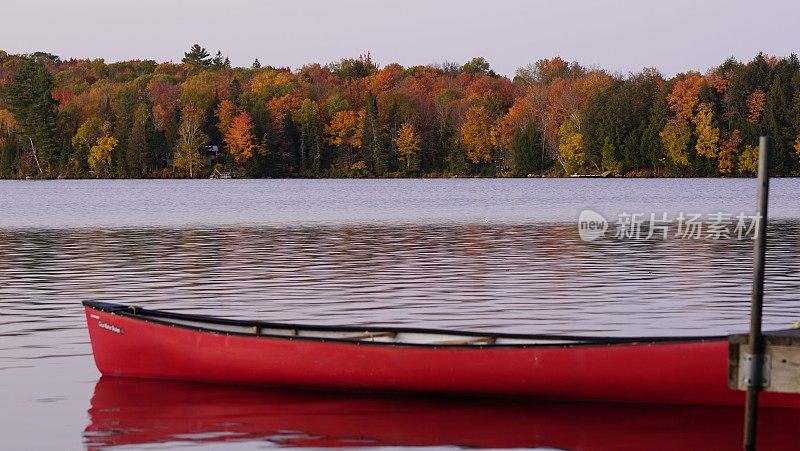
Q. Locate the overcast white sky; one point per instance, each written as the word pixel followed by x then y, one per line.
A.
pixel 618 35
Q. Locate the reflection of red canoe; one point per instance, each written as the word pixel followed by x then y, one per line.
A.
pixel 135 411
pixel 130 341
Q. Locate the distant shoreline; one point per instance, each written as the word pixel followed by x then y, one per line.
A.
pixel 475 177
pixel 354 119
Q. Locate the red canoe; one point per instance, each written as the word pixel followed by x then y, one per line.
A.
pixel 134 342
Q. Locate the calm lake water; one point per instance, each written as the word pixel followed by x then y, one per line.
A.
pixel 478 254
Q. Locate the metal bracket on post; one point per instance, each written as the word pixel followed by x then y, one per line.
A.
pixel 746 364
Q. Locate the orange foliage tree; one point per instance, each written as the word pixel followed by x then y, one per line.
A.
pixel 755 105
pixel 226 112
pixel 728 149
pixel 684 97
pixel 239 138
pixel 346 131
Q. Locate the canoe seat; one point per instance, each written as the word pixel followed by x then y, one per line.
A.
pixel 369 335
pixel 467 341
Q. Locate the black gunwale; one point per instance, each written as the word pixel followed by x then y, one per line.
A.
pixel 164 317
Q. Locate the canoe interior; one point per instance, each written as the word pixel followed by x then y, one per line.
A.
pixel 371 335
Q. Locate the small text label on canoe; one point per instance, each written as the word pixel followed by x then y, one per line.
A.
pixel 110 327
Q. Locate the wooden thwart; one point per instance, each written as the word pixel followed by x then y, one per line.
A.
pixel 370 335
pixel 782 362
pixel 468 341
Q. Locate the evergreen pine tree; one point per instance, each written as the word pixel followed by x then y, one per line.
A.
pixel 777 123
pixel 138 156
pixel 234 90
pixel 609 159
pixel 525 143
pixel 373 143
pixel 219 61
pixel 29 99
pixel 8 153
pixel 197 56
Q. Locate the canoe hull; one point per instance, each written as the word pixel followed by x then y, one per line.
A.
pixel 660 372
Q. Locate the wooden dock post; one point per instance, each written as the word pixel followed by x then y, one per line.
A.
pixel 756 343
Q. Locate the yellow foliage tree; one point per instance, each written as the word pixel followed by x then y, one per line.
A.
pixel 271 83
pixel 748 161
pixel 675 136
pixel 100 154
pixel 408 143
pixel 190 139
pixel 707 134
pixel 571 153
pixel 476 135
pixel 797 146
pixel 200 90
pixel 358 166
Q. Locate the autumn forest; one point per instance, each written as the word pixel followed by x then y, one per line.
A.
pixel 352 118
